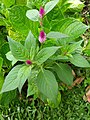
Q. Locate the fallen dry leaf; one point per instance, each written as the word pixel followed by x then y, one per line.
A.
pixel 76 82
pixel 88 87
pixel 73 73
pixel 86 97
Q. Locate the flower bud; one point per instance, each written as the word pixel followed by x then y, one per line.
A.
pixel 28 62
pixel 42 36
pixel 41 12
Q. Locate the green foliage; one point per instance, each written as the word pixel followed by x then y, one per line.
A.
pixel 21 2
pixel 10 57
pixel 30 44
pixel 11 81
pixel 17 16
pixel 70 27
pixel 33 14
pixel 75 47
pixel 11 95
pixel 50 5
pixel 72 107
pixel 87 49
pixel 39 67
pixel 18 50
pixel 45 53
pixel 79 61
pixel 1 63
pixel 47 84
pixel 8 3
pixel 56 35
pixel 1 82
pixel 64 73
pixel 23 75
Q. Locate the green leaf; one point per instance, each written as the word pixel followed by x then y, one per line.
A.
pixel 76 46
pixel 47 84
pixel 87 52
pixel 76 5
pixel 33 14
pixel 18 50
pixel 4 49
pixel 23 75
pixel 50 5
pixel 30 44
pixel 71 27
pixel 10 57
pixel 59 57
pixel 8 3
pixel 1 82
pixel 87 49
pixel 1 63
pixel 79 61
pixel 20 23
pixel 45 53
pixel 32 88
pixel 11 82
pixel 64 73
pixel 21 2
pixel 56 35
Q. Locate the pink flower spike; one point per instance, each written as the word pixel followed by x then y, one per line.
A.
pixel 28 62
pixel 42 36
pixel 41 12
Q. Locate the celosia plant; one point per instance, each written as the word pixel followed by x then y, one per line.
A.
pixel 45 65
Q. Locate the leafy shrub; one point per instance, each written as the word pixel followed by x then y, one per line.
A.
pixel 51 44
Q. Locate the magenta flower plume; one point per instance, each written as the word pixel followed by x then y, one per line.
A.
pixel 42 36
pixel 28 62
pixel 41 12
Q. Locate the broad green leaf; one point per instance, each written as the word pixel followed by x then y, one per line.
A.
pixel 64 73
pixel 1 63
pixel 33 14
pixel 71 27
pixel 58 100
pixel 8 3
pixel 47 84
pixel 56 35
pixel 50 5
pixel 23 75
pixel 10 57
pixel 45 53
pixel 30 44
pixel 79 61
pixel 18 19
pixel 18 50
pixel 76 5
pixel 59 57
pixel 32 87
pixel 11 82
pixel 76 46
